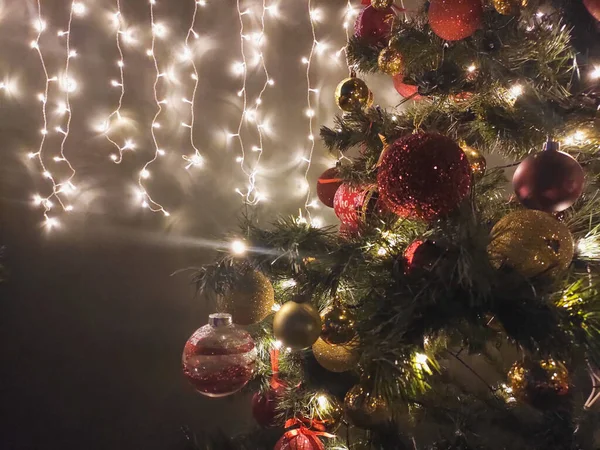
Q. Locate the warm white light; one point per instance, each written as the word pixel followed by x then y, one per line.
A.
pixel 595 74
pixel 145 173
pixel 238 68
pixel 323 401
pixel 310 113
pixel 316 222
pixel 159 30
pixel 238 247
pixel 516 90
pixel 39 25
pixel 72 54
pixel 304 60
pixel 316 15
pixel 472 68
pixel 277 344
pixel 79 9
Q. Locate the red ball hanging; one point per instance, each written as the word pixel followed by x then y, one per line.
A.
pixel 550 180
pixel 406 90
pixel 593 6
pixel 327 185
pixel 423 175
pixel 422 255
pixel 292 440
pixel 354 204
pixel 373 26
pixel 454 20
pixel 264 407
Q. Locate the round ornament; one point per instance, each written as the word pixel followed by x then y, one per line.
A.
pixel 298 441
pixel 423 175
pixel 335 358
pixel 353 94
pixel 390 61
pixel 327 185
pixel 422 255
pixel 531 242
pixel 374 26
pixel 550 180
pixel 540 384
pixel 510 7
pixel 593 6
pixel 406 90
pixel 338 326
pixel 264 407
pixel 297 325
pixel 250 299
pixel 219 358
pixel 353 205
pixel 476 161
pixel 454 20
pixel 365 410
pixel 327 412
pixel 381 5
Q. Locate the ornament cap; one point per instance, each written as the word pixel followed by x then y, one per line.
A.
pixel 218 320
pixel 552 145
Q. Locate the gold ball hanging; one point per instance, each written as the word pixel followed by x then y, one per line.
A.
pixel 338 326
pixel 353 94
pixel 297 325
pixel 335 358
pixel 327 410
pixel 532 242
pixel 381 5
pixel 510 7
pixel 365 410
pixel 250 299
pixel 540 383
pixel 476 161
pixel 390 61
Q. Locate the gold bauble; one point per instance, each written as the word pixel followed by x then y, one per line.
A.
pixel 531 242
pixel 390 61
pixel 476 161
pixel 338 326
pixel 327 410
pixel 335 358
pixel 365 410
pixel 539 383
pixel 250 299
pixel 353 94
pixel 510 7
pixel 297 325
pixel 381 5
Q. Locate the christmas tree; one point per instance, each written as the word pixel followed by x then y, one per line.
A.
pixel 449 310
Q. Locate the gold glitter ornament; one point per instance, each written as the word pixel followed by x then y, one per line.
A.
pixel 510 7
pixel 297 325
pixel 540 383
pixel 531 242
pixel 327 410
pixel 476 161
pixel 353 94
pixel 338 326
pixel 381 5
pixel 250 299
pixel 365 410
pixel 335 358
pixel 390 61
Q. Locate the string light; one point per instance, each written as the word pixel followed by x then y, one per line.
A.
pixel 595 74
pixel 238 247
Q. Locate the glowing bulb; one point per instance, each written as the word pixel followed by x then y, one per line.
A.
pixel 323 401
pixel 421 359
pixel 304 60
pixel 145 173
pixel 310 113
pixel 69 208
pixel 238 68
pixel 51 222
pixel 39 25
pixel 595 73
pixel 516 90
pixel 79 9
pixel 277 344
pixel 271 82
pixel 159 30
pixel 120 63
pixel 472 68
pixel 316 222
pixel 316 15
pixel 72 54
pixel 238 247
pixel 114 157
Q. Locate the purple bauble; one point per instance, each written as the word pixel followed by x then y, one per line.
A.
pixel 550 181
pixel 373 26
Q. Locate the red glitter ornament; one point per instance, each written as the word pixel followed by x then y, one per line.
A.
pixel 423 175
pixel 327 185
pixel 454 20
pixel 219 358
pixel 354 204
pixel 290 441
pixel 550 180
pixel 406 90
pixel 373 26
pixel 593 6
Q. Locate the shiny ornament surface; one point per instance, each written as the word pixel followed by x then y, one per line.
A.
pixel 338 325
pixel 374 26
pixel 593 6
pixel 264 407
pixel 423 175
pixel 476 161
pixel 531 242
pixel 365 410
pixel 291 441
pixel 539 383
pixel 454 20
pixel 422 255
pixel 550 180
pixel 510 7
pixel 354 205
pixel 335 358
pixel 327 185
pixel 381 5
pixel 219 358
pixel 353 94
pixel 327 412
pixel 406 90
pixel 390 61
pixel 251 299
pixel 297 325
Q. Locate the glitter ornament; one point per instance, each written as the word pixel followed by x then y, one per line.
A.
pixel 550 180
pixel 353 94
pixel 374 26
pixel 454 20
pixel 381 5
pixel 540 384
pixel 297 325
pixel 593 6
pixel 327 185
pixel 510 7
pixel 338 325
pixel 335 358
pixel 291 441
pixel 219 358
pixel 354 205
pixel 250 299
pixel 390 61
pixel 531 242
pixel 365 410
pixel 476 161
pixel 406 90
pixel 423 175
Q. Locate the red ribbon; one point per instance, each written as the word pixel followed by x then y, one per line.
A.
pixel 311 435
pixel 276 383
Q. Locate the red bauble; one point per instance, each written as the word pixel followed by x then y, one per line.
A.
pixel 373 26
pixel 423 175
pixel 327 185
pixel 593 6
pixel 550 180
pixel 293 441
pixel 406 90
pixel 422 255
pixel 454 20
pixel 264 407
pixel 353 205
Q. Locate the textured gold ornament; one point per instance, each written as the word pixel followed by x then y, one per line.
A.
pixel 327 410
pixel 364 409
pixel 335 358
pixel 251 299
pixel 297 325
pixel 540 383
pixel 338 326
pixel 390 61
pixel 531 242
pixel 353 94
pixel 381 5
pixel 476 161
pixel 510 7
